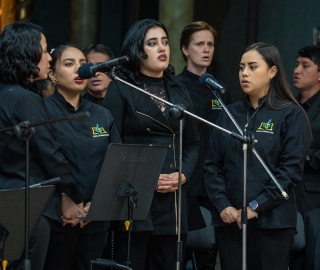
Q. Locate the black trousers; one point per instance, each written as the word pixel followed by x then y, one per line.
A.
pixel 38 246
pixel 147 251
pixel 267 249
pixel 74 250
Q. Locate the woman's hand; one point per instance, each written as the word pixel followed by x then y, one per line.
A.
pixel 169 182
pixel 230 215
pixel 250 214
pixel 86 210
pixel 71 212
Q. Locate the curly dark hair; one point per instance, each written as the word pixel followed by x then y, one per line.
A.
pixel 20 52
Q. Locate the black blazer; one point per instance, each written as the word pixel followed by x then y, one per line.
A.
pixel 308 190
pixel 140 121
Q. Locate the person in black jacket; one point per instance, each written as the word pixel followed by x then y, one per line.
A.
pixel 142 119
pixel 197 46
pixel 24 59
pixel 84 143
pixel 306 78
pixel 280 126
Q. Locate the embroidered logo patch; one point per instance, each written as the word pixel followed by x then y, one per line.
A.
pixel 215 104
pixel 99 131
pixel 266 126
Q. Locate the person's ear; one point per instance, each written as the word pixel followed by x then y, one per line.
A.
pixel 273 72
pixel 52 78
pixel 184 50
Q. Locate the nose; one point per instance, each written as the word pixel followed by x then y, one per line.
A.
pixel 161 47
pixel 296 69
pixel 243 71
pixel 76 67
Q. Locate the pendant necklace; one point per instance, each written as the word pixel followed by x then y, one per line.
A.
pixel 249 119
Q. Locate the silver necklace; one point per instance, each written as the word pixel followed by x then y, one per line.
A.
pixel 249 119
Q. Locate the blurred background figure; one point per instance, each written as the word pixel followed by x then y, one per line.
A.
pixel 97 86
pixel 306 78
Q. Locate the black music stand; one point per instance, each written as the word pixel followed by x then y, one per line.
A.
pixel 126 184
pixel 12 217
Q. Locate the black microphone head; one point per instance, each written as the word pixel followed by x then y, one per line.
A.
pixel 209 81
pixel 123 59
pixel 203 78
pixel 85 71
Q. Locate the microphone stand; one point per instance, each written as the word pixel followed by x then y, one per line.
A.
pixel 247 140
pixel 24 132
pixel 177 112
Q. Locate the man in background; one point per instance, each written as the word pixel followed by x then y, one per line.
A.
pixel 97 86
pixel 306 79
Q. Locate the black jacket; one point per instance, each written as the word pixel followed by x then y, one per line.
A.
pixel 46 161
pixel 84 143
pixel 283 140
pixel 140 121
pixel 207 106
pixel 308 190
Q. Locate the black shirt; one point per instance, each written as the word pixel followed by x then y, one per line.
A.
pixel 18 104
pixel 282 142
pixel 306 105
pixel 84 142
pixel 206 106
pixel 92 98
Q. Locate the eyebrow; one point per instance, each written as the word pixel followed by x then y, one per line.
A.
pixel 304 62
pixel 154 38
pixel 250 63
pixel 72 59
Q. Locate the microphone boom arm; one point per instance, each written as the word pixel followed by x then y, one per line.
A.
pixel 245 139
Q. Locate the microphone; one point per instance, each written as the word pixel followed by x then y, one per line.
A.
pixel 88 71
pixel 209 81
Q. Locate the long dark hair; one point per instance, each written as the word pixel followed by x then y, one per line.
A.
pixel 279 88
pixel 133 46
pixel 20 53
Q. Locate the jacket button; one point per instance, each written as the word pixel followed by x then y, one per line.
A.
pixel 148 129
pixel 171 166
pixel 169 145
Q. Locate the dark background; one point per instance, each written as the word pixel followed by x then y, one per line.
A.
pixel 288 24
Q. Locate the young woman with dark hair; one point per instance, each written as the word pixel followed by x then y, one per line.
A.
pixel 141 119
pixel 84 143
pixel 281 129
pixel 24 59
